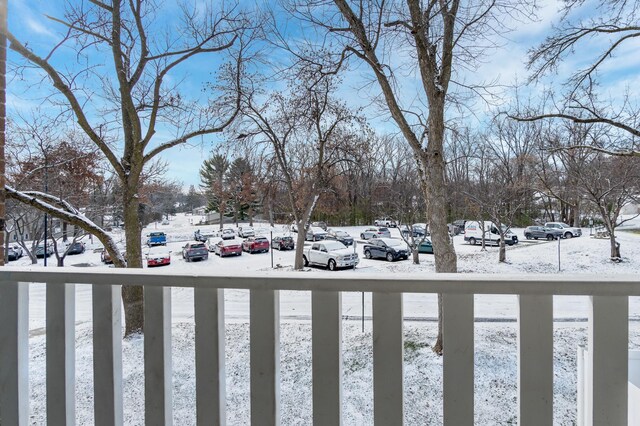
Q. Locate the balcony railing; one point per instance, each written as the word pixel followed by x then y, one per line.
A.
pixel 607 361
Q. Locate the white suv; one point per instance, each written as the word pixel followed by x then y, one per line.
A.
pixel 567 231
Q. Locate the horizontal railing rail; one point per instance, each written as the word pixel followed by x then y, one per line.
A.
pixel 607 358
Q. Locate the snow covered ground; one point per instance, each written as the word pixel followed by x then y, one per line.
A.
pixel 495 341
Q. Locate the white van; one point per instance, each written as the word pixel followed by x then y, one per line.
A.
pixel 473 233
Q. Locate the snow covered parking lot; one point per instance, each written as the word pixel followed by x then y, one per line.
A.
pixel 495 366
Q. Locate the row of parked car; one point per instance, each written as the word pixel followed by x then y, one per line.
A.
pixel 15 251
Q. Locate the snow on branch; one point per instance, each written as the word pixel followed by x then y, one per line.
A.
pixel 62 210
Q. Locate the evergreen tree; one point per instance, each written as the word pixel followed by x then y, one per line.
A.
pixel 213 175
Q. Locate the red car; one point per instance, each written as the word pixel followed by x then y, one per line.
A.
pixel 256 244
pixel 158 257
pixel 228 248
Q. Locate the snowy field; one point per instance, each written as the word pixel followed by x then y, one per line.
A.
pixel 496 377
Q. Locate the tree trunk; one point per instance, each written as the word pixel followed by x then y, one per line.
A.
pixel 65 231
pixel 615 246
pixel 502 256
pixel 302 230
pixel 436 198
pixel 415 256
pixel 132 296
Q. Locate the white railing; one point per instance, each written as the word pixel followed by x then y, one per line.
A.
pixel 607 341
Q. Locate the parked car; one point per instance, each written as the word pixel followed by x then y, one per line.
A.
pixel 535 232
pixel 283 243
pixel 458 226
pixel 386 222
pixel 105 257
pixel 416 230
pixel 320 224
pixel 425 246
pixel 332 254
pixel 567 231
pixel 315 234
pixel 195 251
pixel 342 236
pixel 256 245
pixel 473 233
pixel 246 231
pixel 158 256
pixel 203 236
pixel 40 252
pixel 375 232
pixel 157 239
pixel 15 252
pixel 76 247
pixel 227 234
pixel 228 248
pixel 386 248
pixel 211 243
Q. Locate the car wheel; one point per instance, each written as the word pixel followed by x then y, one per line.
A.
pixel 389 257
pixel 367 254
pixel 305 261
pixel 332 265
pixel 362 236
pixel 374 236
pixel 550 237
pixel 535 238
pixel 472 241
pixel 527 236
pixel 568 235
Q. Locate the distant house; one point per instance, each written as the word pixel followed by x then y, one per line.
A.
pixel 199 211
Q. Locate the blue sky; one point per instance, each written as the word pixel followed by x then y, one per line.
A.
pixel 507 65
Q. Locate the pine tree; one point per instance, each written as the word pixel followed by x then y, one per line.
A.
pixel 213 174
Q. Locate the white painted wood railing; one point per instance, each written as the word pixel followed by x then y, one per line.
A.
pixel 608 342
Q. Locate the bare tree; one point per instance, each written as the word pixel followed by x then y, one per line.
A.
pixel 308 132
pixel 613 24
pixel 610 183
pixel 433 39
pixel 139 93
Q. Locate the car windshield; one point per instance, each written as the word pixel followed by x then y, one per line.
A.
pixel 316 230
pixel 201 245
pixel 156 234
pixel 341 234
pixel 286 239
pixel 383 229
pixel 261 239
pixel 334 245
pixel 391 242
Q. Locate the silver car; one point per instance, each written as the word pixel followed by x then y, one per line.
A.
pixel 375 232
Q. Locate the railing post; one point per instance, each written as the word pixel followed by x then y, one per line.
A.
pixel 157 356
pixel 14 353
pixel 265 357
pixel 535 360
pixel 609 360
pixel 210 353
pixel 61 359
pixel 107 355
pixel 457 362
pixel 326 313
pixel 388 363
